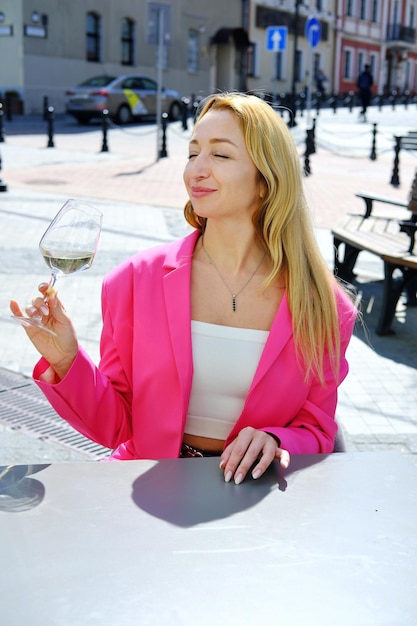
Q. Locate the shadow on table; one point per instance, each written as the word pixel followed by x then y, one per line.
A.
pixel 186 496
pixel 19 492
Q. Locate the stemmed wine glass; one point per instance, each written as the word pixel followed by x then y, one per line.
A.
pixel 68 245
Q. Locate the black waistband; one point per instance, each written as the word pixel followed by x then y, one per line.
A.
pixel 189 452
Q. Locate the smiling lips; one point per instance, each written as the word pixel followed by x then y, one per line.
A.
pixel 200 192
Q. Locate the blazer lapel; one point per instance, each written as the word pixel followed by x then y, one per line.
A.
pixel 280 333
pixel 178 307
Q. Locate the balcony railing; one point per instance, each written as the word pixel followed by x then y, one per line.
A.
pixel 397 32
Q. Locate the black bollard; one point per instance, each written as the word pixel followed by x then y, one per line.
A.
pixel 334 101
pixel 310 149
pixel 163 151
pixel 319 96
pixel 195 110
pixel 395 178
pixel 3 186
pixel 313 129
pixel 380 100
pixel 9 110
pixel 51 117
pixel 350 101
pixel 105 124
pixel 2 135
pixel 373 150
pixel 185 103
pixel 45 108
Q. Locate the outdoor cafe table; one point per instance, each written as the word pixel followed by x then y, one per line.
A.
pixel 330 541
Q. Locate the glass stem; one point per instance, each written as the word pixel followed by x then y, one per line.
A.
pixel 51 284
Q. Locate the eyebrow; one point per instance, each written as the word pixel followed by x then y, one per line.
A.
pixel 216 140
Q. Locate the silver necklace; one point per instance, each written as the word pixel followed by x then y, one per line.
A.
pixel 234 294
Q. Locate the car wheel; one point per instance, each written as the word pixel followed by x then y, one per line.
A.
pixel 175 112
pixel 124 114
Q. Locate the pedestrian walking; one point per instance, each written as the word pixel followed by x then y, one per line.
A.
pixel 364 84
pixel 321 80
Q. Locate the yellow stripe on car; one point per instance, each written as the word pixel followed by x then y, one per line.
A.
pixel 136 105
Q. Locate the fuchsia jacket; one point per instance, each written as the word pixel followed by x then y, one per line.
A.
pixel 136 401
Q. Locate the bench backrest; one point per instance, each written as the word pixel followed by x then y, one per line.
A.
pixel 412 204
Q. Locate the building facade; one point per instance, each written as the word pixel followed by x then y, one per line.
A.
pixel 381 33
pixel 49 46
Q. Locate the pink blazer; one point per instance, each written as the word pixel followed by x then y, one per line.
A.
pixel 136 400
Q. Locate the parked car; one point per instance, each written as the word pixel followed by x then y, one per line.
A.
pixel 125 97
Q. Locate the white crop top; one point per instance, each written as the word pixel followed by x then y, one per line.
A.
pixel 225 361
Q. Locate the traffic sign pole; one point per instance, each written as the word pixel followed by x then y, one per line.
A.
pixel 313 35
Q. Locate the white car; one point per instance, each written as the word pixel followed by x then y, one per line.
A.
pixel 125 98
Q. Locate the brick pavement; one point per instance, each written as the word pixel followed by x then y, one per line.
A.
pixel 142 201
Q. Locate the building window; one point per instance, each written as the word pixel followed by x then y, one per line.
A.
pixel 279 66
pixel 411 16
pixel 373 64
pixel 127 41
pixel 349 7
pixel 374 15
pixel 347 65
pixel 252 60
pixel 316 64
pixel 193 56
pixel 298 70
pixel 361 62
pixel 93 37
pixel 159 14
pixel 362 10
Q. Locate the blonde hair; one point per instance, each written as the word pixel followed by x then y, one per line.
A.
pixel 283 225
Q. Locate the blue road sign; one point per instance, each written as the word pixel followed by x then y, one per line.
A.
pixel 313 31
pixel 276 38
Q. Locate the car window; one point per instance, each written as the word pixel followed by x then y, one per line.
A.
pixel 131 83
pixel 98 81
pixel 148 83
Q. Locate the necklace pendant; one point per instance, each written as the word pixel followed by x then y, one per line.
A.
pixel 234 303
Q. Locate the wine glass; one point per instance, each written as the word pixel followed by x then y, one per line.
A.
pixel 68 245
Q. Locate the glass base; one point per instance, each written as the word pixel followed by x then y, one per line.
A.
pixel 32 321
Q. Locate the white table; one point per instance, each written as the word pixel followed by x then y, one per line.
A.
pixel 330 542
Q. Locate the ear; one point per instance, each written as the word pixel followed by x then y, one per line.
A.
pixel 262 188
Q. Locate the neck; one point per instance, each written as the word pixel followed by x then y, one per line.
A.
pixel 233 251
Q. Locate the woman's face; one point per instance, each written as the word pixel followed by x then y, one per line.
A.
pixel 221 180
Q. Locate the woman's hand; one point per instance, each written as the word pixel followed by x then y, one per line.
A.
pixel 250 445
pixel 59 350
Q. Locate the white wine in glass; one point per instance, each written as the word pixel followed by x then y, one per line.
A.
pixel 68 245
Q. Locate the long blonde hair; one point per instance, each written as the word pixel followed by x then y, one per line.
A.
pixel 284 227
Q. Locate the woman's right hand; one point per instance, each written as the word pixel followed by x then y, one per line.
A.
pixel 60 349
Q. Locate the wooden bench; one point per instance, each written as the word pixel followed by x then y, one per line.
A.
pixel 409 141
pixel 391 239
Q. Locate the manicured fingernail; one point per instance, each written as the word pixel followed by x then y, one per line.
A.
pixel 44 309
pixel 228 476
pixel 238 479
pixel 222 463
pixel 33 310
pixel 256 474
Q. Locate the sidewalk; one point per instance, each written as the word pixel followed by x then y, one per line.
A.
pixel 142 203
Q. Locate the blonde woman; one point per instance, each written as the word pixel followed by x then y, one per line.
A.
pixel 229 342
